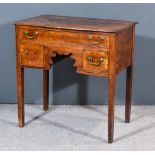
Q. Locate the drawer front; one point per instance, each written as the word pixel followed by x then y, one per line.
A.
pixel 31 55
pixel 96 61
pixel 49 36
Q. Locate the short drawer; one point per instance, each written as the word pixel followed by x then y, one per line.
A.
pixel 31 55
pixel 49 36
pixel 96 61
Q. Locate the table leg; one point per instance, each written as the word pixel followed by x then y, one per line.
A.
pixel 20 95
pixel 129 74
pixel 45 89
pixel 111 104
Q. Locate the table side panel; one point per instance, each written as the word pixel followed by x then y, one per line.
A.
pixel 124 49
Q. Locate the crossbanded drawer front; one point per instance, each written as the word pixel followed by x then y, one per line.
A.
pixel 96 61
pixel 31 55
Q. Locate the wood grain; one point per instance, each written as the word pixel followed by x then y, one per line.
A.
pixel 77 23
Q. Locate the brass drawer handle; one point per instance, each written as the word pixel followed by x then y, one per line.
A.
pixel 31 36
pixel 90 37
pixel 26 52
pixel 94 62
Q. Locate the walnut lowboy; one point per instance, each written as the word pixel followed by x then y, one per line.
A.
pixel 99 47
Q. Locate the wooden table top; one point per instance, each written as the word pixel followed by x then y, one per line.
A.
pixel 76 23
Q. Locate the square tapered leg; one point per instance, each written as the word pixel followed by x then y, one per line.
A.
pixel 45 89
pixel 129 74
pixel 20 97
pixel 111 106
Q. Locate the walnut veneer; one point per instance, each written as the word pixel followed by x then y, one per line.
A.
pixel 99 47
